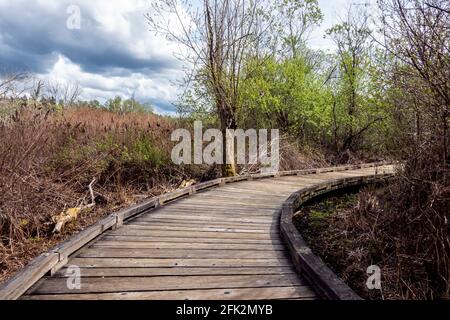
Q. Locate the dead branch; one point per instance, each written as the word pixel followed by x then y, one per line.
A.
pixel 71 214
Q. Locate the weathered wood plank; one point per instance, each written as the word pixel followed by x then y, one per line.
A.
pixel 251 191
pixel 194 234
pixel 199 228
pixel 171 239
pixel 230 195
pixel 130 284
pixel 187 246
pixel 236 203
pixel 270 293
pixel 214 216
pixel 149 263
pixel 228 208
pixel 179 253
pixel 175 271
pixel 210 224
pixel 23 280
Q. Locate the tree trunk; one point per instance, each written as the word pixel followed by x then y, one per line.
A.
pixel 227 121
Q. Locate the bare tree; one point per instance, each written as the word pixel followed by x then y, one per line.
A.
pixel 417 35
pixel 37 89
pixel 65 92
pixel 13 84
pixel 217 37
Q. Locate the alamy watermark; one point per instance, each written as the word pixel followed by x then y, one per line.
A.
pixel 73 22
pixel 234 145
pixel 73 274
pixel 374 280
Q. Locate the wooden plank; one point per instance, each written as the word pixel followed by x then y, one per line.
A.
pixel 179 253
pixel 226 208
pixel 25 278
pixel 170 196
pixel 255 186
pixel 250 191
pixel 156 263
pixel 176 271
pixel 219 194
pixel 220 222
pixel 137 208
pixel 186 246
pixel 269 187
pixel 236 202
pixel 278 184
pixel 230 195
pixel 220 211
pixel 214 214
pixel 269 293
pixel 345 174
pixel 194 234
pixel 80 239
pixel 196 215
pixel 130 284
pixel 228 204
pixel 217 218
pixel 170 239
pixel 199 228
pixel 210 224
pixel 208 184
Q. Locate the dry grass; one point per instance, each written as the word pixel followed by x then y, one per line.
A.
pixel 294 156
pixel 48 158
pixel 403 228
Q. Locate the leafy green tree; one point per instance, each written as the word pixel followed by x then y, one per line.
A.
pixel 354 106
pixel 296 19
pixel 95 104
pixel 287 95
pixel 118 105
pixel 114 105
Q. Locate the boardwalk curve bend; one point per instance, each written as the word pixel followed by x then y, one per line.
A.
pixel 215 240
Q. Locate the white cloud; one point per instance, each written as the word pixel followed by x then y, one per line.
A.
pixel 113 53
pixel 102 87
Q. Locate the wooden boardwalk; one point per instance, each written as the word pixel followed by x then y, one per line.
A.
pixel 223 243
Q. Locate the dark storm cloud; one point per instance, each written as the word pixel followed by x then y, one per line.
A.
pixel 113 53
pixel 31 39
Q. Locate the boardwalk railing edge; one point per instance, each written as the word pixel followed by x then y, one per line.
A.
pixel 50 262
pixel 326 283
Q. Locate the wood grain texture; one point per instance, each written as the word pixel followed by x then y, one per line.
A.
pixel 208 241
pixel 265 293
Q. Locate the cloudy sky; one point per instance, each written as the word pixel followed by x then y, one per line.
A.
pixel 112 53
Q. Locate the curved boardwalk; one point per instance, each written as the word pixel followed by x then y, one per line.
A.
pixel 223 243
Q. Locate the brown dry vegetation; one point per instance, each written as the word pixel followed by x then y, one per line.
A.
pixel 48 158
pixel 352 233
